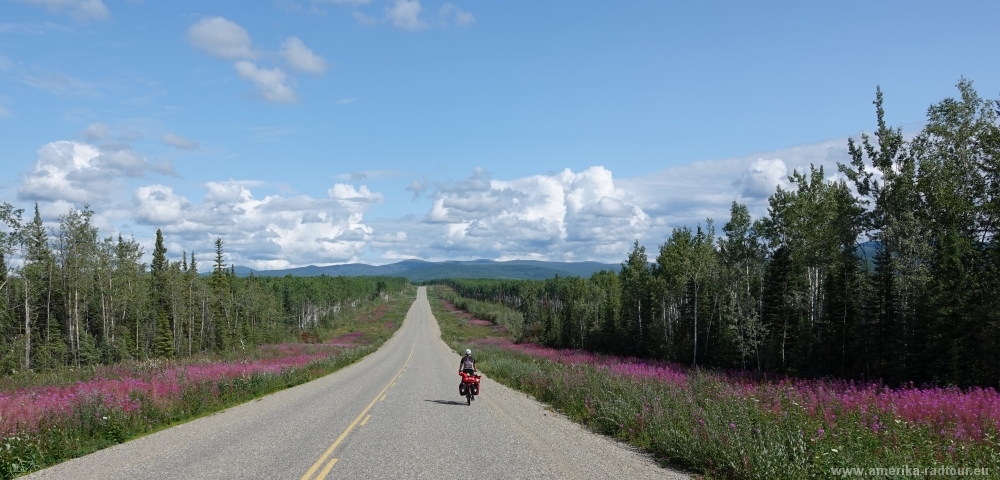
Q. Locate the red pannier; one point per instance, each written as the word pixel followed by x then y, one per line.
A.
pixel 470 384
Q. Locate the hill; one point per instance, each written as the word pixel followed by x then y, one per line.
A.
pixel 419 270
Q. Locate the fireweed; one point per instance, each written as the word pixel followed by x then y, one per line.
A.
pixel 43 424
pixel 735 425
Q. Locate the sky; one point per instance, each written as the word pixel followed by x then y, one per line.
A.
pixel 333 131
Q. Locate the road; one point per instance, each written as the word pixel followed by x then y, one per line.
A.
pixel 394 414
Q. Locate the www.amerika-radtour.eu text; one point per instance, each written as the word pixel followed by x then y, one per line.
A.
pixel 906 470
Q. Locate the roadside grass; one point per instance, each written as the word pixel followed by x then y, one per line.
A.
pixel 55 416
pixel 733 426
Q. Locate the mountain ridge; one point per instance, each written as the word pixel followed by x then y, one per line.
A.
pixel 421 270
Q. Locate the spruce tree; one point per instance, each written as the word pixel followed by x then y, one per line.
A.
pixel 164 341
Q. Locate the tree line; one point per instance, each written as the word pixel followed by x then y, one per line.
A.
pixel 70 297
pixel 888 271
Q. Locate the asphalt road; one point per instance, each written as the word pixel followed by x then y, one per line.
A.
pixel 394 414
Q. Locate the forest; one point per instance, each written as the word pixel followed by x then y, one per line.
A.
pixel 888 270
pixel 69 297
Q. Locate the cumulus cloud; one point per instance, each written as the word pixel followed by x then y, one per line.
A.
pixel 227 40
pixel 346 192
pixel 96 131
pixel 762 177
pixel 271 232
pixel 301 58
pixel 80 10
pixel 82 173
pixel 418 188
pixel 451 13
pixel 178 141
pixel 159 205
pixel 222 39
pixel 576 216
pixel 688 194
pixel 561 216
pixel 271 83
pixel 405 14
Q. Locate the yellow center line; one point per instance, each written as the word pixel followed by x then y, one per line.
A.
pixel 363 422
pixel 326 469
pixel 350 427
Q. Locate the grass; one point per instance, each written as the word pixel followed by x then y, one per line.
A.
pixel 55 416
pixel 729 425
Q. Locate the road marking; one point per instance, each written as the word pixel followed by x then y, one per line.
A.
pixel 350 427
pixel 326 469
pixel 382 399
pixel 363 422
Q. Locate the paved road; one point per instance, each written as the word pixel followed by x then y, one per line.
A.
pixel 394 414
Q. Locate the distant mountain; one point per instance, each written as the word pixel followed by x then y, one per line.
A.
pixel 419 270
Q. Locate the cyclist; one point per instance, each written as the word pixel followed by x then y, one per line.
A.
pixel 468 363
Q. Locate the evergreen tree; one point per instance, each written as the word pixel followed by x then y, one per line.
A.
pixel 160 293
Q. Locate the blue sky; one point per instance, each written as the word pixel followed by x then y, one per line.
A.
pixel 317 132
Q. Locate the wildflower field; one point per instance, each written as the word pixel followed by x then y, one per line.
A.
pixel 51 417
pixel 736 425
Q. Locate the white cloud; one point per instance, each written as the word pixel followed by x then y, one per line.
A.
pixel 568 215
pixel 96 131
pixel 82 173
pixel 762 177
pixel 159 205
pixel 272 232
pixel 301 58
pixel 576 216
pixel 271 83
pixel 80 10
pixel 178 141
pixel 345 192
pixel 221 38
pixel 687 194
pixel 418 188
pixel 405 14
pixel 451 13
pixel 343 2
pixel 4 112
pixel 561 216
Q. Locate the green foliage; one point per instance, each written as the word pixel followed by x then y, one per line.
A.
pixel 91 425
pixel 163 345
pixel 507 318
pixel 79 299
pixel 891 273
pixel 718 425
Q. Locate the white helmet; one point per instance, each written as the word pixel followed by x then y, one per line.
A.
pixel 468 352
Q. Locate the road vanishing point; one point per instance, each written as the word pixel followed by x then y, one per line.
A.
pixel 394 414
